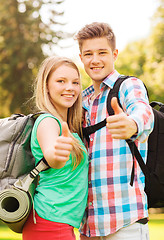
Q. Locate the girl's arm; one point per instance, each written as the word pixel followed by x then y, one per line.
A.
pixel 56 149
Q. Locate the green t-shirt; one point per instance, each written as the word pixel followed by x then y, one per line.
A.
pixel 61 195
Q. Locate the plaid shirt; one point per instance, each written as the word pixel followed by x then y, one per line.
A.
pixel 112 202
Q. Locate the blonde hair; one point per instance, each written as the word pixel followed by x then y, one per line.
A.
pixel 43 101
pixel 96 30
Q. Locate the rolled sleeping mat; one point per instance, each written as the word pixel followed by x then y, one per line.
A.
pixel 16 202
pixel 15 206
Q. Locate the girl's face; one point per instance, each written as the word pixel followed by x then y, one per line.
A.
pixel 64 88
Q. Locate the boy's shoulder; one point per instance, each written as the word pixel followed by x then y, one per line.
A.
pixel 88 91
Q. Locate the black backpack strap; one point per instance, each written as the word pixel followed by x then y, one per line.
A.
pixel 114 93
pixel 135 153
pixel 93 128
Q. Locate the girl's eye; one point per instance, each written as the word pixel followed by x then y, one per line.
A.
pixel 60 81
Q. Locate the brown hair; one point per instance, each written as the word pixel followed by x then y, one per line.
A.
pixel 43 101
pixel 96 30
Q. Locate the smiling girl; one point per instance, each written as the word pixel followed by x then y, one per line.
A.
pixel 61 194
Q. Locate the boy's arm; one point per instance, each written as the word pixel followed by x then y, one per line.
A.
pixel 137 111
pixel 120 126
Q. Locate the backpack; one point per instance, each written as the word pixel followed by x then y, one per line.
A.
pixel 16 159
pixel 154 167
pixel 18 173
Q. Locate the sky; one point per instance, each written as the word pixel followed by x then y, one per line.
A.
pixel 130 20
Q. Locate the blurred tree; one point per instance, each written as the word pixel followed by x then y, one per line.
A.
pixel 86 80
pixel 145 58
pixel 131 60
pixel 153 74
pixel 24 37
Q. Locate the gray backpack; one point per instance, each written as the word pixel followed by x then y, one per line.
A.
pixel 15 152
pixel 17 169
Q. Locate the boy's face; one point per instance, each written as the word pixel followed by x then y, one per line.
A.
pixel 98 58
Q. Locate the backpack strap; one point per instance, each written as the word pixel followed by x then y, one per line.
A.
pixel 135 153
pixel 93 128
pixel 25 183
pixel 114 93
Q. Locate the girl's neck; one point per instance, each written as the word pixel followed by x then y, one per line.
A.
pixel 62 114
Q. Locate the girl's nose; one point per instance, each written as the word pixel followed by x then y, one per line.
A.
pixel 69 86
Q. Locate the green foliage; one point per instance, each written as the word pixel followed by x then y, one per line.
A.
pixel 145 58
pixel 86 80
pixel 131 60
pixel 26 37
pixel 23 37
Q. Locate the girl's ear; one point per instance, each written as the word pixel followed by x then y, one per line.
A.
pixel 80 56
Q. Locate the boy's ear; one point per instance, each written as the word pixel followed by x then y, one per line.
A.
pixel 115 54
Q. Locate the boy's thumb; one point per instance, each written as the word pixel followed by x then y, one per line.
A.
pixel 65 129
pixel 115 106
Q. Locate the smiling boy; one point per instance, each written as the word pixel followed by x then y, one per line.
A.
pixel 114 206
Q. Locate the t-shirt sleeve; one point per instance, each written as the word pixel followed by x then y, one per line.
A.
pixel 35 147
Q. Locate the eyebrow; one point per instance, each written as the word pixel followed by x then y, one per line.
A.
pixel 100 49
pixel 65 78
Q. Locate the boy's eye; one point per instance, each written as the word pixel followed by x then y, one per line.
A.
pixel 76 83
pixel 87 54
pixel 102 52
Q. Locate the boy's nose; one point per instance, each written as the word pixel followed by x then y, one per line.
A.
pixel 95 58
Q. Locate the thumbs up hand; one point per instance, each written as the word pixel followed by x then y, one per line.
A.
pixel 63 145
pixel 65 129
pixel 115 106
pixel 120 126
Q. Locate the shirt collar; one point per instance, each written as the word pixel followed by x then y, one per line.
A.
pixel 108 81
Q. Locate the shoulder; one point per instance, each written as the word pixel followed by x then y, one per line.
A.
pixel 88 91
pixel 47 120
pixel 131 84
pixel 132 81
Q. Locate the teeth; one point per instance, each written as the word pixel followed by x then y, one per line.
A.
pixel 69 96
pixel 96 68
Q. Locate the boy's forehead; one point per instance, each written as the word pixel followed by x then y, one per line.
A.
pixel 95 44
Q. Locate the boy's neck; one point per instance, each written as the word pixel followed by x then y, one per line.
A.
pixel 96 85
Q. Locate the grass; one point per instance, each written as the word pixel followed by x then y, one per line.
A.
pixel 156 229
pixel 156 226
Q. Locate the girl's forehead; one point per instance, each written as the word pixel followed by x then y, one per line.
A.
pixel 65 71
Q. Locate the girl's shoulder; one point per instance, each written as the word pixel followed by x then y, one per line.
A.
pixel 43 116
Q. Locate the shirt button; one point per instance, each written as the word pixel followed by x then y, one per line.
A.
pixel 89 182
pixel 91 139
pixel 90 203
